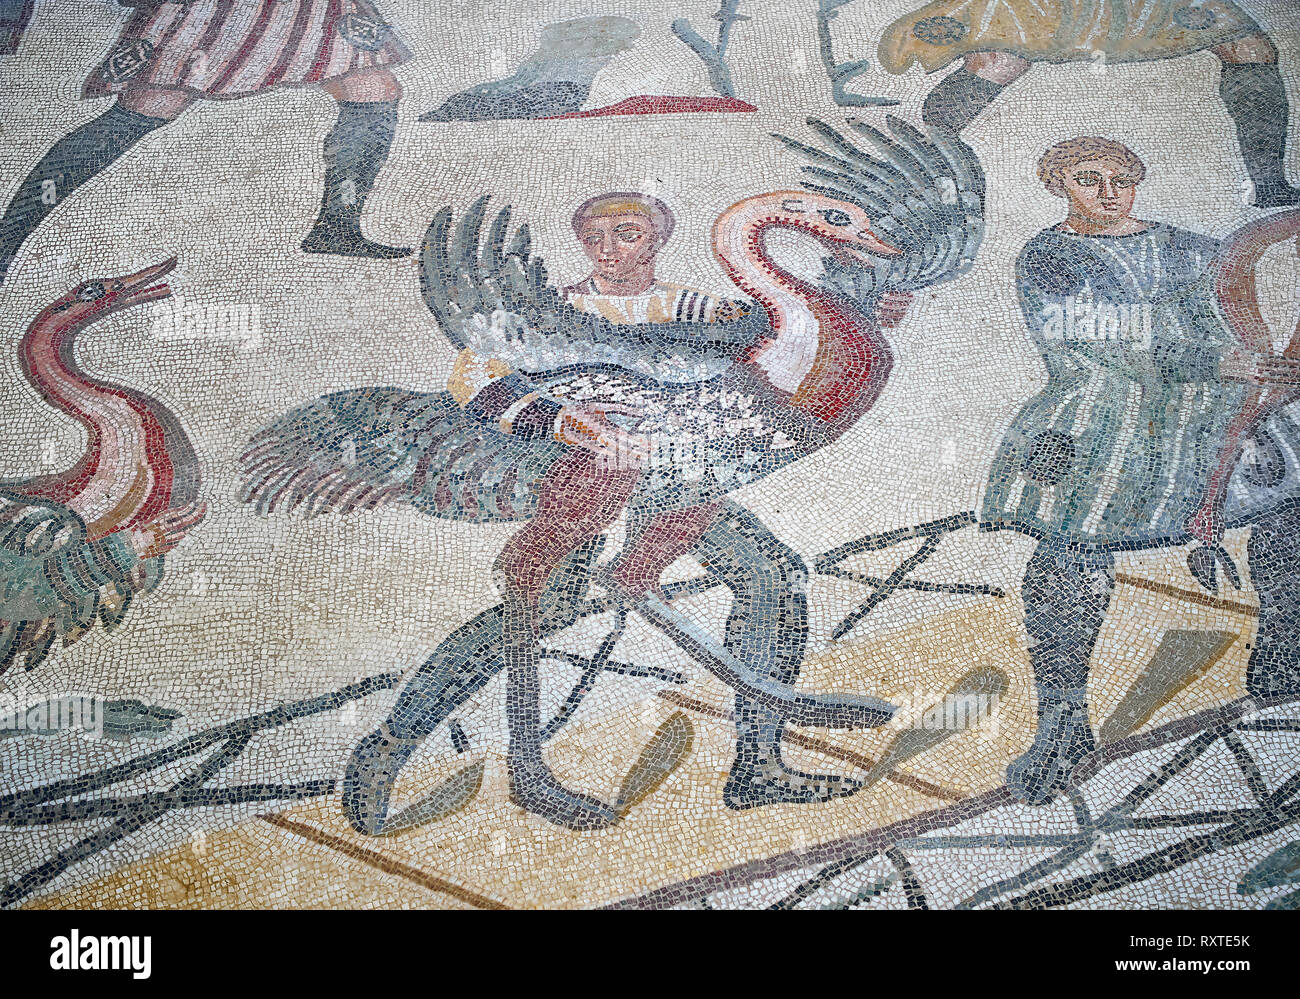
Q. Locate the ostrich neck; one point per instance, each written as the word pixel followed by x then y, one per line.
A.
pixel 123 476
pixel 788 356
pixel 824 352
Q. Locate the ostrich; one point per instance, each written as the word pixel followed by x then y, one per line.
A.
pixel 689 411
pixel 80 544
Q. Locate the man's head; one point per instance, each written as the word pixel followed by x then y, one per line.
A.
pixel 1097 176
pixel 621 232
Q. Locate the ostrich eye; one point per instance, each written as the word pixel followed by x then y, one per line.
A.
pixel 90 292
pixel 834 216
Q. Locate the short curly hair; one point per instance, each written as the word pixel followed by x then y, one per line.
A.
pixel 1053 164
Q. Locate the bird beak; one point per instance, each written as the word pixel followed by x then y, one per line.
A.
pixel 146 285
pixel 859 249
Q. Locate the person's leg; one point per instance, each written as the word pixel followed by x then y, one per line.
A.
pixel 1273 552
pixel 1066 593
pixel 577 500
pixel 79 156
pixel 659 542
pixel 460 666
pixel 355 151
pixel 767 628
pixel 1253 92
pixel 960 97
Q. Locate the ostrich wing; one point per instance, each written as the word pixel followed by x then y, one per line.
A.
pixel 53 580
pixel 362 448
pixel 924 194
pixel 495 296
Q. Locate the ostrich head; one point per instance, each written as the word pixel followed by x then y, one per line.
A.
pixel 91 300
pixel 844 228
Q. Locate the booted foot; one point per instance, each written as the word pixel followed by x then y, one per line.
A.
pixel 768 781
pixel 1277 194
pixel 534 788
pixel 344 241
pixel 1064 738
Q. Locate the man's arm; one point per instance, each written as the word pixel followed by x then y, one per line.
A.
pixel 490 392
pixel 510 403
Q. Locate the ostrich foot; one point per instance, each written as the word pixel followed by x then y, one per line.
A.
pixel 1064 737
pixel 764 780
pixel 345 241
pixel 535 789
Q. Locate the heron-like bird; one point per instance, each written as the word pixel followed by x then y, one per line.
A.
pixel 579 419
pixel 79 545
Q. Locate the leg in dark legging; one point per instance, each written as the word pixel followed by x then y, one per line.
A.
pixel 355 150
pixel 578 499
pixel 1066 593
pixel 460 666
pixel 961 96
pixel 75 159
pixel 1273 552
pixel 768 629
pixel 1253 92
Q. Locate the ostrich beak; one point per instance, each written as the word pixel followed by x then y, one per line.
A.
pixel 859 249
pixel 145 285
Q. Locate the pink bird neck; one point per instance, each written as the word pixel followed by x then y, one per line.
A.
pixel 824 352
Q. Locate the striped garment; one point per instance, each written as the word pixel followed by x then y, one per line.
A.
pixel 14 15
pixel 231 48
pixel 663 303
pixel 1119 445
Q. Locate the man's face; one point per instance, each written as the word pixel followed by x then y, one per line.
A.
pixel 1101 190
pixel 618 245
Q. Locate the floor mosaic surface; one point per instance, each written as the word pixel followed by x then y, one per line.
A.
pixel 885 494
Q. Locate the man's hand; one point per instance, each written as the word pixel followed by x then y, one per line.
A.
pixel 585 425
pixel 1259 368
pixel 729 311
pixel 162 535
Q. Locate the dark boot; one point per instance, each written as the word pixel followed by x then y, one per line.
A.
pixel 533 786
pixel 1066 593
pixel 958 99
pixel 1256 98
pixel 355 150
pixel 1063 738
pixel 1273 551
pixel 73 160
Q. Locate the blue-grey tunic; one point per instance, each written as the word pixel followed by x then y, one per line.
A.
pixel 1120 443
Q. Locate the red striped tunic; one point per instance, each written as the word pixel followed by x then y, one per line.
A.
pixel 230 48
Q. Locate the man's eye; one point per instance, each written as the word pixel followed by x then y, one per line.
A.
pixel 1124 182
pixel 629 237
pixel 835 217
pixel 1086 180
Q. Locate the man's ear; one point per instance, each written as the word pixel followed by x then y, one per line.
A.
pixel 1055 188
